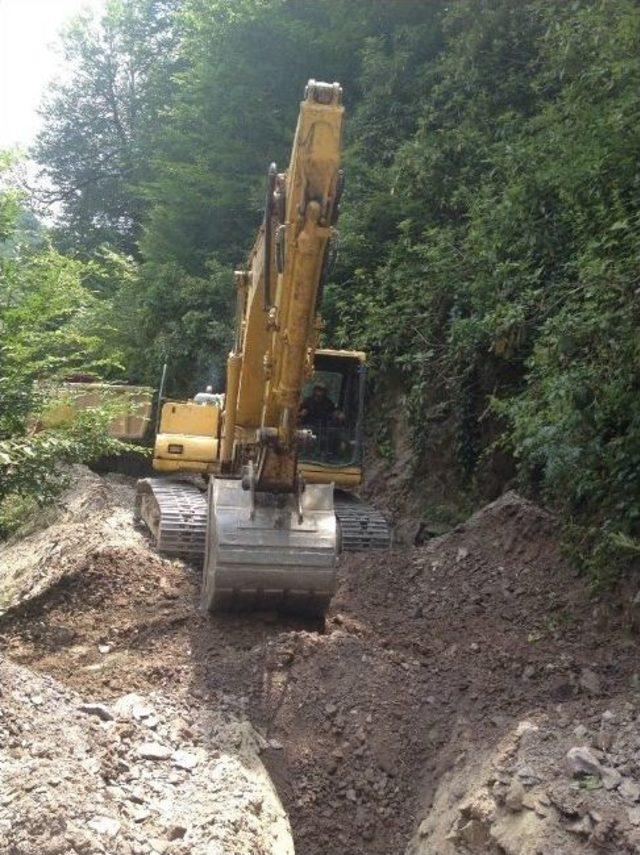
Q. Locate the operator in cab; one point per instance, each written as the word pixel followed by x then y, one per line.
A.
pixel 318 408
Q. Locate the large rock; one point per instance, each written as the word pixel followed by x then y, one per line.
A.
pixel 582 761
pixel 483 805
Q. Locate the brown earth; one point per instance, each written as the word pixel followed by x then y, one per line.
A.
pixel 396 725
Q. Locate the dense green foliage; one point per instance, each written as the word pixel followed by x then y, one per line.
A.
pixel 513 271
pixel 101 120
pixel 53 322
pixel 490 229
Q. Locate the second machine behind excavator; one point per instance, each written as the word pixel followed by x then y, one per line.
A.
pixel 283 451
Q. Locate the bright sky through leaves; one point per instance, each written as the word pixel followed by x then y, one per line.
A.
pixel 28 60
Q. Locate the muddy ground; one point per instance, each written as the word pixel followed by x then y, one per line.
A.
pixel 469 695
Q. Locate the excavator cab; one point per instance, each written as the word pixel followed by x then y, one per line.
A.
pixel 336 427
pixel 334 451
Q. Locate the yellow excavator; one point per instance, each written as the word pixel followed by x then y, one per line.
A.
pixel 282 449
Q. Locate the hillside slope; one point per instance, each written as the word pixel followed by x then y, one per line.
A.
pixel 397 725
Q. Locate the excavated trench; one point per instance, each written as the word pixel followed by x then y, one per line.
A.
pixel 378 728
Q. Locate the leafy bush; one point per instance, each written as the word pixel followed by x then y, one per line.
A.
pixel 52 324
pixel 32 468
pixel 510 279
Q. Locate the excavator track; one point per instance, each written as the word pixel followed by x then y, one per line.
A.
pixel 361 526
pixel 175 512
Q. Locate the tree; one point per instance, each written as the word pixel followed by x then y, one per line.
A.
pixel 489 229
pixel 52 323
pixel 9 197
pixel 99 121
pixel 166 315
pixel 246 65
pixel 509 282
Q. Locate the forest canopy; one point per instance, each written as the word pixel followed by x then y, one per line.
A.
pixel 490 230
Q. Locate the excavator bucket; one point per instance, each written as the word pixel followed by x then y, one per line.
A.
pixel 269 550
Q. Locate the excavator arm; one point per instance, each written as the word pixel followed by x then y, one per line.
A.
pixel 269 529
pixel 272 539
pixel 278 294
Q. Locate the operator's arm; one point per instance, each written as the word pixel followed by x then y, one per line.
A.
pixel 333 413
pixel 305 408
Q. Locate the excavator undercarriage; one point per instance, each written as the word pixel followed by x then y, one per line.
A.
pixel 270 560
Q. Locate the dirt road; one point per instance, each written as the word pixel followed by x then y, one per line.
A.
pixel 433 712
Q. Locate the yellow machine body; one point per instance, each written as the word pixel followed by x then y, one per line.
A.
pixel 187 440
pixel 277 327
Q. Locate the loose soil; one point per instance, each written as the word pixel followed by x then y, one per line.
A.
pixel 396 726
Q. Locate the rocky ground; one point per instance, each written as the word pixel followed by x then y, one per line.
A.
pixel 467 695
pixel 140 774
pixel 101 750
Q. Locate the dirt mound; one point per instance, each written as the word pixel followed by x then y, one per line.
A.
pixel 93 512
pixel 395 711
pixel 92 605
pixel 550 785
pixel 429 651
pixel 143 774
pixel 95 627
